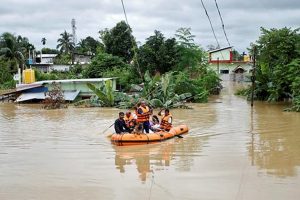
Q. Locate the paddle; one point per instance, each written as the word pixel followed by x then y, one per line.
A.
pixel 108 128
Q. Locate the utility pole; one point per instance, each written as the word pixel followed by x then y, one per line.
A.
pixel 74 38
pixel 218 65
pixel 253 75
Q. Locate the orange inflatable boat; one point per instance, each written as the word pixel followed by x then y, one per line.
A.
pixel 143 138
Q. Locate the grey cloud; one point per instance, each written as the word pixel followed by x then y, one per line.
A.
pixel 47 18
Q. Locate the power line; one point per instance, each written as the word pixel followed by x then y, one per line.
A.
pixel 125 12
pixel 133 43
pixel 212 28
pixel 222 23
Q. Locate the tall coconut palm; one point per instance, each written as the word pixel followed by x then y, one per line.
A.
pixel 65 44
pixel 11 50
pixel 43 41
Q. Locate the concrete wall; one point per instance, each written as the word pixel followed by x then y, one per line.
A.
pixel 82 86
pixel 63 68
pixel 230 67
pixel 222 55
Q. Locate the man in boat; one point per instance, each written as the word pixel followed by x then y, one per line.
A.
pixel 143 115
pixel 166 120
pixel 120 125
pixel 130 120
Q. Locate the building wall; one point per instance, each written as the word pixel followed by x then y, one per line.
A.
pixel 82 87
pixel 63 68
pixel 229 67
pixel 81 59
pixel 47 60
pixel 222 55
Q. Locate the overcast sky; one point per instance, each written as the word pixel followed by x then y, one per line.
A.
pixel 36 19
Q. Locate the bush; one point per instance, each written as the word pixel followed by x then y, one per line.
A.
pixel 125 75
pixel 6 78
pixel 206 83
pixel 101 63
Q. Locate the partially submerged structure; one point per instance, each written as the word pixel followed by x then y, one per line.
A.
pixel 71 88
pixel 222 61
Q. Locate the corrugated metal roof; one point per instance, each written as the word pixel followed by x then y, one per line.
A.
pixel 215 50
pixel 77 80
pixel 68 96
pixel 22 87
pixel 71 95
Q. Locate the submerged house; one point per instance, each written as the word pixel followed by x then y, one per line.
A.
pixel 222 61
pixel 71 88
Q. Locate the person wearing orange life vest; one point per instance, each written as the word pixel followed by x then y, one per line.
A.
pixel 166 120
pixel 143 115
pixel 130 120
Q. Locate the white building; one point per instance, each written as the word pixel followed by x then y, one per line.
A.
pixel 221 60
pixel 45 62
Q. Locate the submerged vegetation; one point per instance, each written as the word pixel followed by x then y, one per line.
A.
pixel 166 71
pixel 54 97
pixel 278 66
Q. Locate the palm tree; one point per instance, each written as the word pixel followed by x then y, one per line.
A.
pixel 43 41
pixel 11 49
pixel 65 44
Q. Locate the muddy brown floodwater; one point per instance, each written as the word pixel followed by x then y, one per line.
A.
pixel 231 152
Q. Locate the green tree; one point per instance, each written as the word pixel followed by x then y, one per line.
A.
pixel 237 56
pixel 190 55
pixel 89 46
pixel 65 44
pixel 6 79
pixel 43 41
pixel 103 62
pixel 62 59
pixel 49 51
pixel 158 54
pixel 185 37
pixel 276 49
pixel 277 77
pixel 119 41
pixel 12 50
pixel 24 45
pixel 126 76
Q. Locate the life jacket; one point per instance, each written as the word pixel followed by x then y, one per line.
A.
pixel 129 121
pixel 144 116
pixel 164 124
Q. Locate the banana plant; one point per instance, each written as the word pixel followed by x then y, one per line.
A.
pixel 166 97
pixel 150 86
pixel 105 93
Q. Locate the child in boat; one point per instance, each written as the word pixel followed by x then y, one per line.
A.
pixel 154 124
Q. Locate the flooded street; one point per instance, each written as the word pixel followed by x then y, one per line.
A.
pixel 231 152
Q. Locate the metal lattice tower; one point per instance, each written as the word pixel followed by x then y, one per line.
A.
pixel 74 38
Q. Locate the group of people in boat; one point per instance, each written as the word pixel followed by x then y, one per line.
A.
pixel 139 120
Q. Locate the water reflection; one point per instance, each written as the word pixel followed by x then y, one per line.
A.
pixel 157 157
pixel 7 111
pixel 144 157
pixel 274 145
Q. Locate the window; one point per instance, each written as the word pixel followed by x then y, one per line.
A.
pixel 224 71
